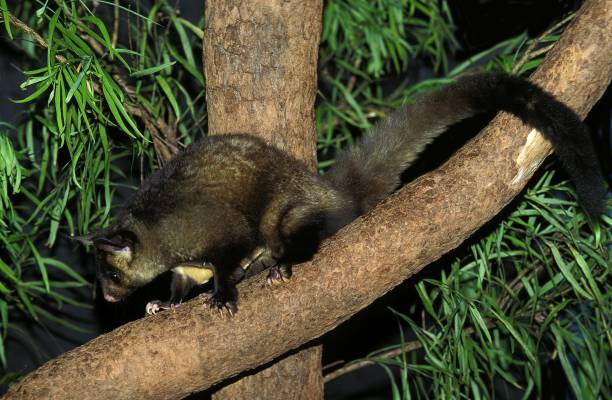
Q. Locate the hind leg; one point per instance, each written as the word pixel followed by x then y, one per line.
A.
pixel 279 273
pixel 260 260
pixel 294 237
pixel 299 232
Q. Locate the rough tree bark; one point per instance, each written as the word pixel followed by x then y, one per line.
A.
pixel 172 354
pixel 260 61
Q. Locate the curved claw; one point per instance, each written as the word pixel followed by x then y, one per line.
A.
pixel 155 306
pixel 278 274
pixel 212 302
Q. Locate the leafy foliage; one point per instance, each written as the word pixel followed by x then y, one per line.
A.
pixel 112 91
pixel 534 293
pixel 95 105
pixel 531 295
pixel 364 46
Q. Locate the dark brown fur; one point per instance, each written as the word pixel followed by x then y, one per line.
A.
pixel 225 196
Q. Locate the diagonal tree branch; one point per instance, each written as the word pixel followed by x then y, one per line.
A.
pixel 173 354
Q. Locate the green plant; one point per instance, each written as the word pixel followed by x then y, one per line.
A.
pixel 113 91
pixel 531 294
pixel 365 45
pixel 534 293
pixel 119 90
pixel 97 109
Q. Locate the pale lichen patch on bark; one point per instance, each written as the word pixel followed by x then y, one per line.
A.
pixel 529 158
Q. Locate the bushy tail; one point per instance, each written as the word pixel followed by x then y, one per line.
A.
pixel 371 170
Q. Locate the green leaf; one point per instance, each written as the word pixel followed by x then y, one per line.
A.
pixel 8 271
pixel 129 10
pixel 565 363
pixel 427 303
pixel 166 89
pixel 152 70
pixel 59 101
pixel 40 12
pixel 76 44
pixel 32 81
pixel 196 30
pixel 6 18
pixel 55 216
pixel 195 72
pixel 75 86
pixel 184 42
pixel 509 326
pixel 480 323
pixel 41 89
pixel 567 272
pixel 105 39
pixel 2 355
pixel 4 290
pixel 25 300
pixel 117 106
pixel 4 317
pixel 66 269
pixel 41 265
pixel 586 271
pixel 50 42
pixel 113 104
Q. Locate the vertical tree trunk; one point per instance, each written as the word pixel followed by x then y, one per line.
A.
pixel 260 60
pixel 297 376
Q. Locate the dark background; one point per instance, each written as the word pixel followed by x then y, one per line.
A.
pixel 480 24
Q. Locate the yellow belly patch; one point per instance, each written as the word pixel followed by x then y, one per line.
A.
pixel 200 275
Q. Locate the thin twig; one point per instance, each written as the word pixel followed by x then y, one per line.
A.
pixel 408 347
pixel 529 51
pixel 541 51
pixel 164 144
pixel 17 23
pixel 115 36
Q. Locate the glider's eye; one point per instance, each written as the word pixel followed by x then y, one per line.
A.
pixel 113 275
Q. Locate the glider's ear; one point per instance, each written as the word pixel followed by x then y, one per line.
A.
pixel 119 249
pixel 91 237
pixel 83 239
pixel 113 240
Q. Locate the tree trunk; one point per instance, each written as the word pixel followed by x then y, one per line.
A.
pixel 297 376
pixel 260 61
pixel 173 354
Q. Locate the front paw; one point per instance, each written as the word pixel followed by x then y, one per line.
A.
pixel 220 302
pixel 155 306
